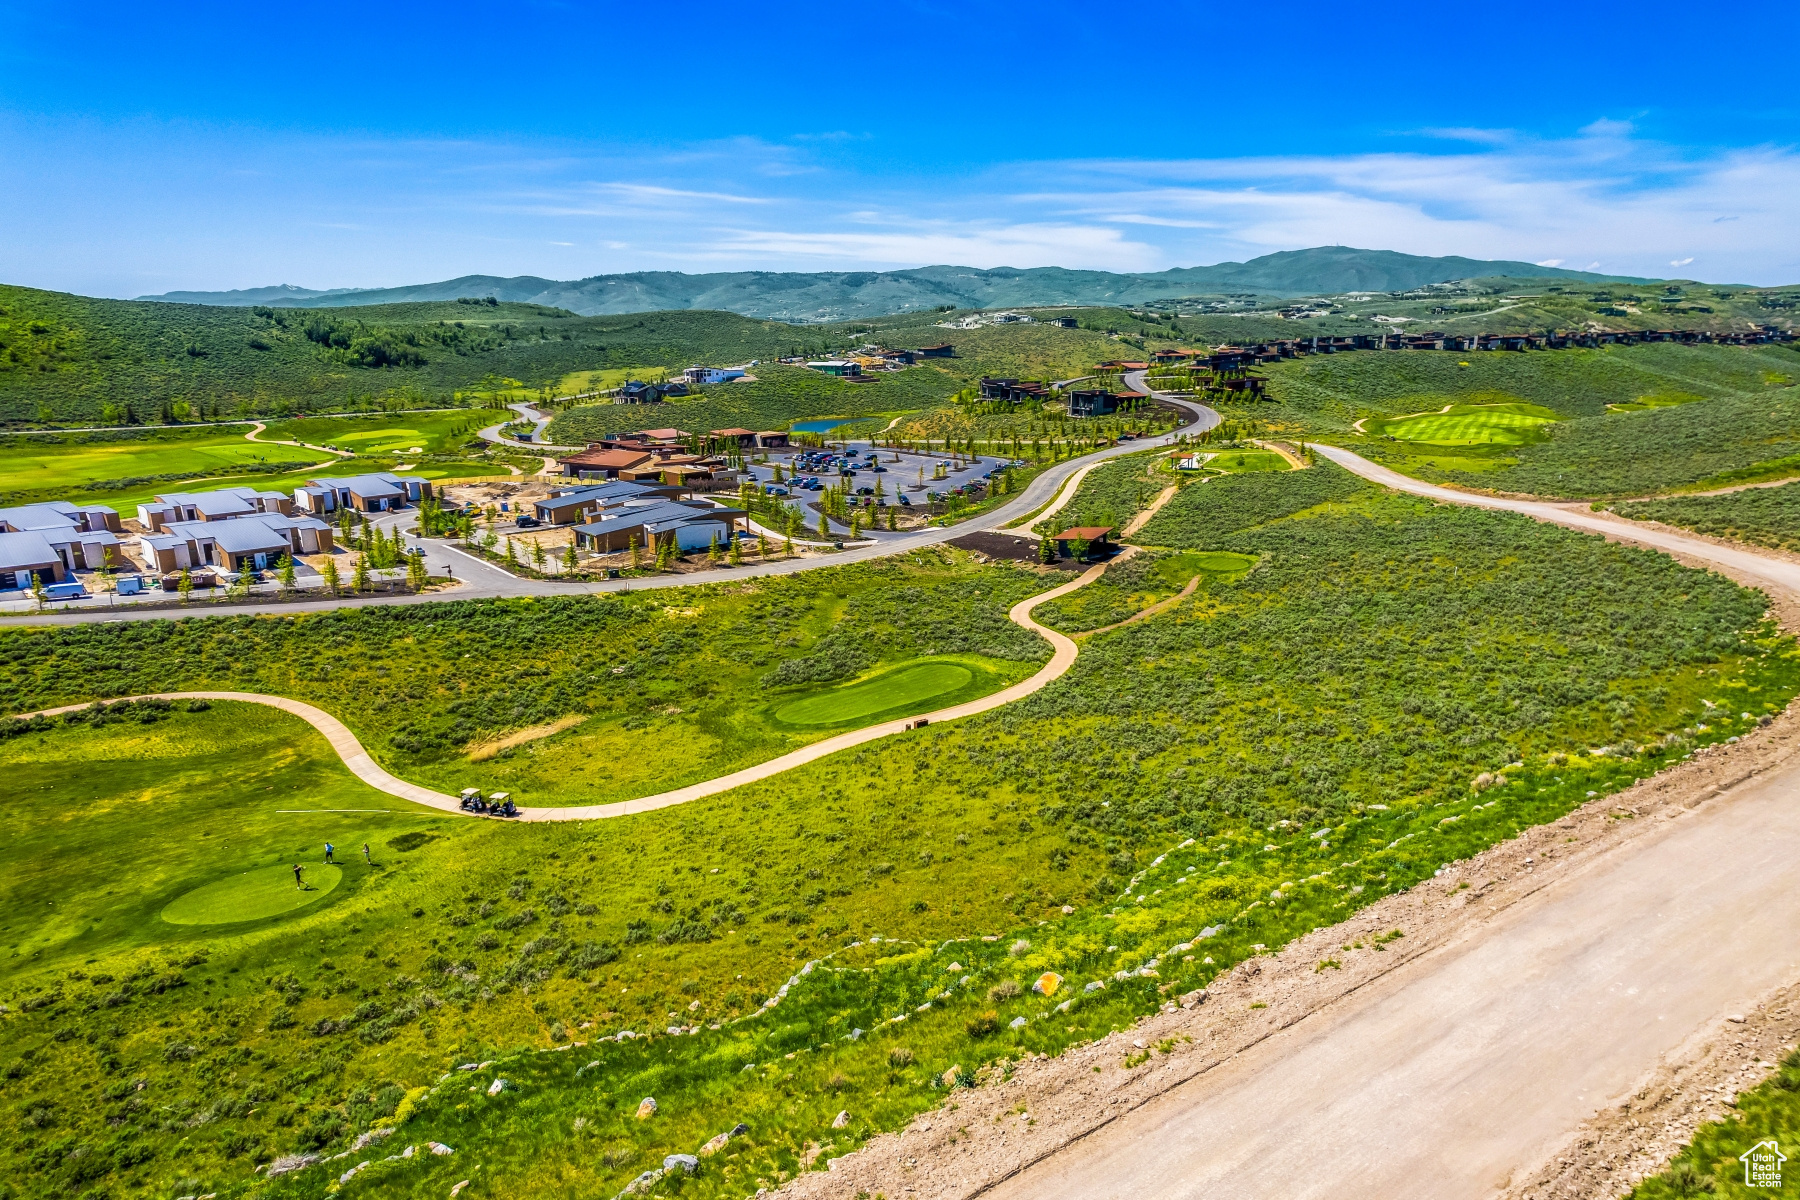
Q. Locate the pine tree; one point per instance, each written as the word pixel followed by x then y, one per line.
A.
pixel 512 552
pixel 637 553
pixel 735 556
pixel 416 576
pixel 712 552
pixel 184 587
pixel 893 520
pixel 284 571
pixel 571 561
pixel 824 527
pixel 330 572
pixel 359 578
pixel 537 554
pixel 762 546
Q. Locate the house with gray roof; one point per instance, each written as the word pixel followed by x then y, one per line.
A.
pixel 253 542
pixel 78 537
pixel 692 524
pixel 221 504
pixel 381 492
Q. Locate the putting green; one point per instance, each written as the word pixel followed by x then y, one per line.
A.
pixel 1177 569
pixel 1472 424
pixel 905 686
pixel 252 895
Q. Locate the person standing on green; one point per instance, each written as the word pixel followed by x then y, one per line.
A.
pixel 329 848
pixel 366 857
pixel 298 882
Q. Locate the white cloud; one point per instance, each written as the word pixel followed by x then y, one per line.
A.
pixel 1551 262
pixel 1681 262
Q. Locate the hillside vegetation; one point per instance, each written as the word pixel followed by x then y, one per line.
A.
pixel 1369 680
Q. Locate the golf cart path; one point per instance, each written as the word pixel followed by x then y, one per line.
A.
pixel 365 768
pixel 1458 1074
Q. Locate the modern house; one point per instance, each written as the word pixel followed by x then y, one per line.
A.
pixel 636 391
pixel 361 493
pixel 574 505
pixel 598 462
pixel 26 555
pixel 772 439
pixel 1016 391
pixel 243 543
pixel 705 375
pixel 1064 322
pixel 1099 402
pixel 843 368
pixel 222 505
pixel 693 524
pixel 743 437
pixel 942 350
pixel 55 538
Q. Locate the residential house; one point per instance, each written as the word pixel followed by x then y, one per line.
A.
pixel 574 505
pixel 772 439
pixel 1099 402
pixel 75 536
pixel 1064 322
pixel 223 504
pixel 943 350
pixel 1015 391
pixel 26 555
pixel 636 391
pixel 692 524
pixel 743 437
pixel 255 541
pixel 703 375
pixel 361 493
pixel 841 367
pixel 904 358
pixel 597 462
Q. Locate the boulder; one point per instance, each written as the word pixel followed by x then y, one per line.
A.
pixel 352 1173
pixel 374 1135
pixel 740 1129
pixel 686 1163
pixel 438 1148
pixel 1017 1023
pixel 459 1187
pixel 1095 985
pixel 949 1077
pixel 290 1162
pixel 496 1087
pixel 715 1145
pixel 1047 983
pixel 841 1120
pixel 646 1108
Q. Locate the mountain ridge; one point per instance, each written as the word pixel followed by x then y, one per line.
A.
pixel 818 296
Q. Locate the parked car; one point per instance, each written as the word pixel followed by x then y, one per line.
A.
pixel 905 502
pixel 529 522
pixel 65 591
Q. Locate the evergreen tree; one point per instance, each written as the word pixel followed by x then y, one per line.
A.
pixel 824 527
pixel 416 576
pixel 637 554
pixel 537 554
pixel 184 587
pixel 359 578
pixel 571 561
pixel 330 572
pixel 762 546
pixel 735 556
pixel 284 571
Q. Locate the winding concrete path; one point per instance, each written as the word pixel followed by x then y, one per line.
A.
pixel 365 768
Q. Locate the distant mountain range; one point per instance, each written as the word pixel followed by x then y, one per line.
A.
pixel 847 295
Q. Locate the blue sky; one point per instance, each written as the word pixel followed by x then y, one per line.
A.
pixel 145 148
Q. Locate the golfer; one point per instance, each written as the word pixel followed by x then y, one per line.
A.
pixel 298 882
pixel 328 851
pixel 366 857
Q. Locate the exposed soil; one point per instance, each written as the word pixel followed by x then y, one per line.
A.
pixel 1028 1110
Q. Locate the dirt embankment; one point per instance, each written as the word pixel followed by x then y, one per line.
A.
pixel 980 1137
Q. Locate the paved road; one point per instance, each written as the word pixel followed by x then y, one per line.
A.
pixel 484 581
pixel 1473 1063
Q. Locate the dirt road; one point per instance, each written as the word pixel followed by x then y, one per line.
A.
pixel 1544 983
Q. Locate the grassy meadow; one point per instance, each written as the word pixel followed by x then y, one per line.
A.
pixel 445 432
pixel 80 464
pixel 1408 682
pixel 1710 1165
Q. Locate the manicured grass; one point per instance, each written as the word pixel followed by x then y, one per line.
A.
pixel 902 688
pixel 395 433
pixel 126 499
pixel 39 466
pixel 1471 424
pixel 252 895
pixel 1656 400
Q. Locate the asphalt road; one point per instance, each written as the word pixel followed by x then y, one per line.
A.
pixel 483 581
pixel 1472 1064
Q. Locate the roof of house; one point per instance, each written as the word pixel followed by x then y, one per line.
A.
pixel 27 548
pixel 662 434
pixel 618 490
pixel 244 535
pixel 734 433
pixel 56 515
pixel 370 486
pixel 1087 533
pixel 615 460
pixel 226 502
